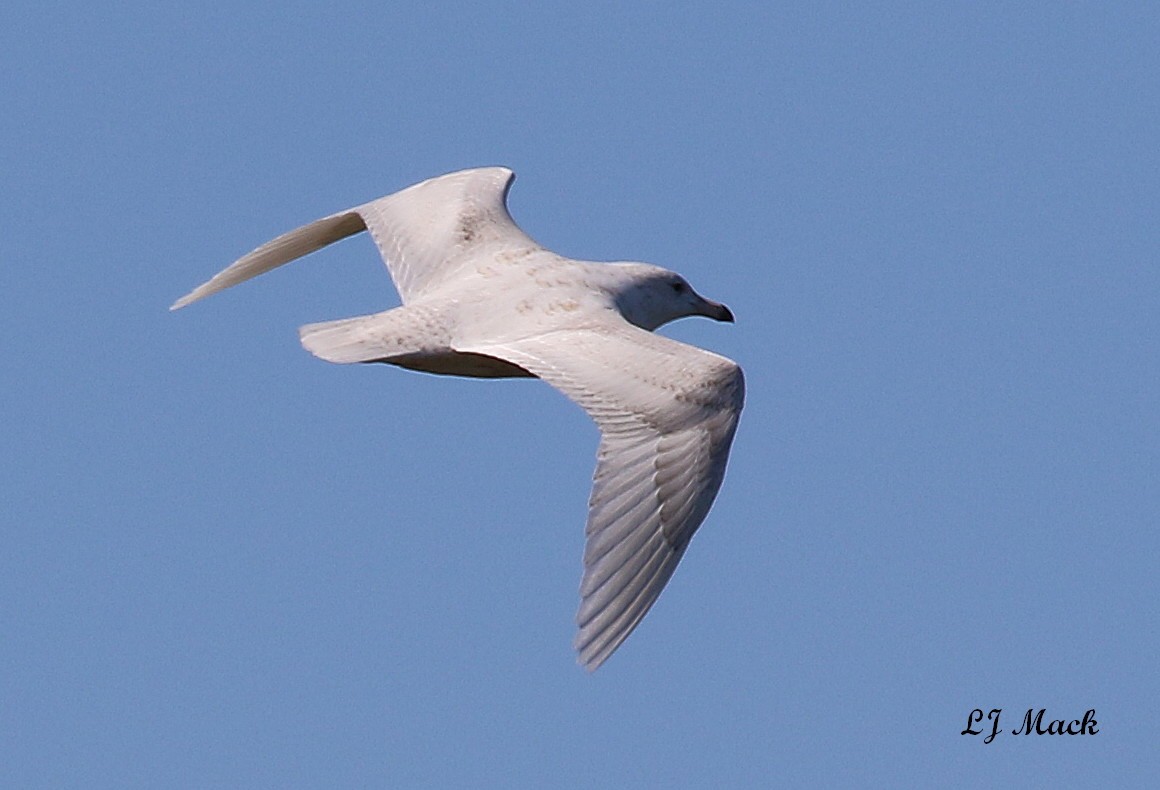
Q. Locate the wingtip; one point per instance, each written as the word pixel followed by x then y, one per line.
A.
pixel 590 663
pixel 192 296
pixel 592 651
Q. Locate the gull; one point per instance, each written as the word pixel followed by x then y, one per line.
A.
pixel 480 298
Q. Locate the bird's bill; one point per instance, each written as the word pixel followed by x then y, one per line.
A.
pixel 718 311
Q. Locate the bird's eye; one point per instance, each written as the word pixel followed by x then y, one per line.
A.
pixel 679 287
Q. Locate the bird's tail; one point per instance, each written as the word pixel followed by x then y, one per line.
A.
pixel 381 337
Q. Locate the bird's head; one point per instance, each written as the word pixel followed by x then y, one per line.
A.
pixel 649 296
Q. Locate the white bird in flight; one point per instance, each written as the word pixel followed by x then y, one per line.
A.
pixel 480 298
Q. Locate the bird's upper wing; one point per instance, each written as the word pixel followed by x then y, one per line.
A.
pixel 426 233
pixel 667 414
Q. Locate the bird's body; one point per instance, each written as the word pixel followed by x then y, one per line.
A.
pixel 482 299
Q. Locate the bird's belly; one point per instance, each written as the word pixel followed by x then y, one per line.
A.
pixel 455 363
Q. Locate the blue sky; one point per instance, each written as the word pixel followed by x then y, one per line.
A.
pixel 228 564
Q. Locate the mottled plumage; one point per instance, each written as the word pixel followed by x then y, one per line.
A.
pixel 481 298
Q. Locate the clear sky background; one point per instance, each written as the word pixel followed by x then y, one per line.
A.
pixel 226 563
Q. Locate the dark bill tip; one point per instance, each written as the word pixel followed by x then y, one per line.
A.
pixel 723 313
